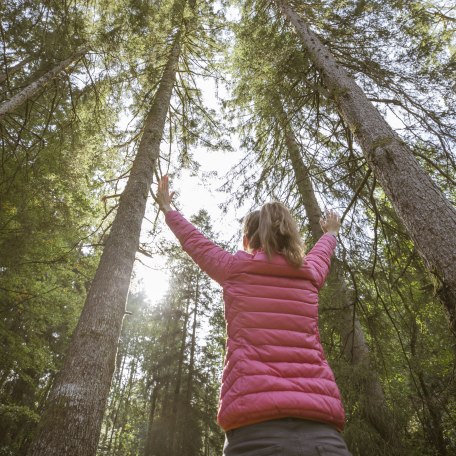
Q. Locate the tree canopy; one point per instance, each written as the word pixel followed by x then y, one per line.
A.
pixel 99 99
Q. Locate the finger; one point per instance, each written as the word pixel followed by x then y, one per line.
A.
pixel 322 226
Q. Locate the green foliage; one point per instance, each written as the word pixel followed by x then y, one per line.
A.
pixel 166 404
pixel 54 163
pixel 275 87
pixel 65 152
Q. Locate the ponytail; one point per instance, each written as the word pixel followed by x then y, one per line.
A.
pixel 274 230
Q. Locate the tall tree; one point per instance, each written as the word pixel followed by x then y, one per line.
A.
pixel 260 94
pixel 420 204
pixel 160 339
pixel 73 415
pixel 50 218
pixel 57 37
pixel 193 299
pixel 374 407
pixel 267 61
pixel 28 92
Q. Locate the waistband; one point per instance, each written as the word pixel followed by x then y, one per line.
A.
pixel 288 424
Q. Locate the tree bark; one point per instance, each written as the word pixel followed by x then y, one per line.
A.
pixel 119 401
pixel 177 387
pixel 149 446
pixel 127 399
pixel 72 419
pixel 428 216
pixel 432 421
pixel 112 408
pixel 354 347
pixel 191 366
pixel 27 93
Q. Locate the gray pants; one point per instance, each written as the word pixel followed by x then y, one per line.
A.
pixel 285 437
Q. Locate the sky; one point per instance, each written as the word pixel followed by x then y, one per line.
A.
pixel 192 195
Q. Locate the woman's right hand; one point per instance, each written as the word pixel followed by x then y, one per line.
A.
pixel 330 223
pixel 164 198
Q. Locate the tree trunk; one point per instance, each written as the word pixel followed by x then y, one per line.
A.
pixel 191 365
pixel 72 419
pixel 153 403
pixel 428 216
pixel 14 69
pixel 118 407
pixel 434 426
pixel 27 93
pixel 354 347
pixel 177 388
pixel 432 421
pixel 127 400
pixel 112 408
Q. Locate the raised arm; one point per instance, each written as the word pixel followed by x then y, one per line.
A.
pixel 211 258
pixel 319 258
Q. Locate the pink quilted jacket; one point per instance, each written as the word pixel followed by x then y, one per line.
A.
pixel 274 364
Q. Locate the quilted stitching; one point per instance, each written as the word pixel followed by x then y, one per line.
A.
pixel 274 366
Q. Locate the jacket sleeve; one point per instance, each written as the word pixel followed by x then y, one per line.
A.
pixel 211 258
pixel 319 258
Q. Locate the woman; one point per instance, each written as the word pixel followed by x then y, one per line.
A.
pixel 278 394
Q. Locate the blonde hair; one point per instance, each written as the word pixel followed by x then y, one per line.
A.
pixel 273 229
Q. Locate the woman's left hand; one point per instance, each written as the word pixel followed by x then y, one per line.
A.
pixel 164 198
